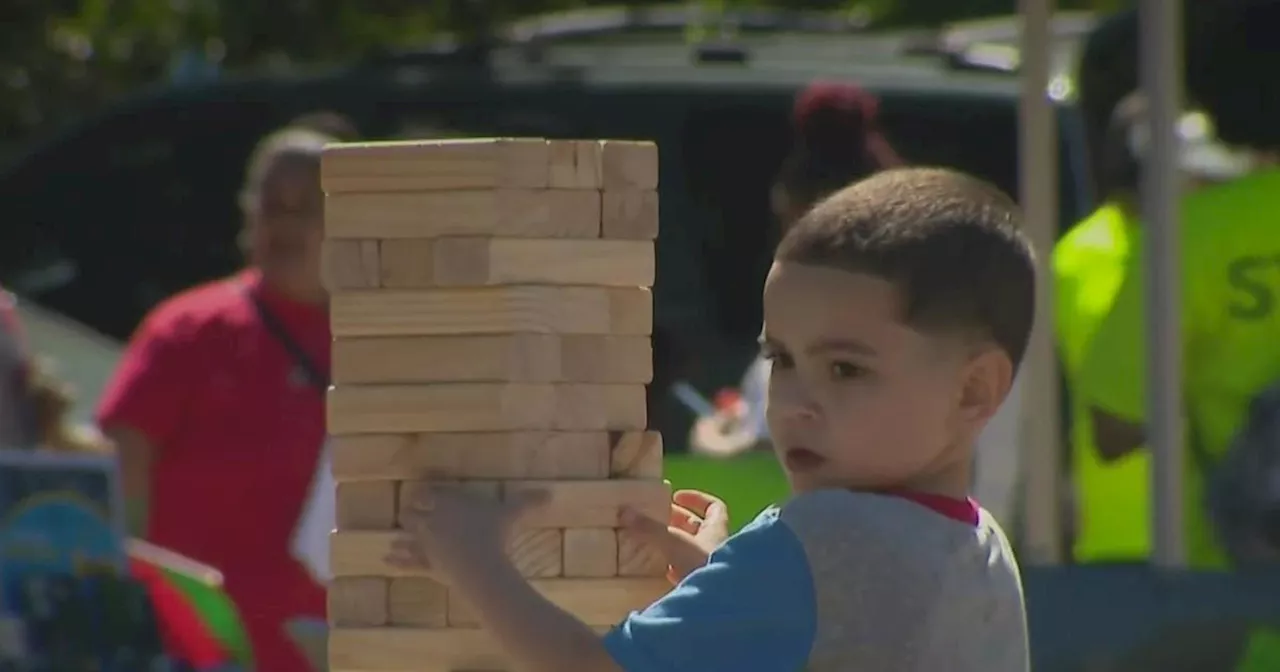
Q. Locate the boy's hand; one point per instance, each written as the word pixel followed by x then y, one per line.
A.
pixel 699 523
pixel 449 530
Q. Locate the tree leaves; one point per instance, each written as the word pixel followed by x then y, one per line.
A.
pixel 61 58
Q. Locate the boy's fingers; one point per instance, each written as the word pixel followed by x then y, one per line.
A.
pixel 527 500
pixel 676 545
pixel 423 494
pixel 405 553
pixel 684 519
pixel 653 532
pixel 696 501
pixel 671 541
pixel 405 546
pixel 420 497
pixel 717 515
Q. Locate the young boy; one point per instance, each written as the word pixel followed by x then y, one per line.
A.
pixel 896 314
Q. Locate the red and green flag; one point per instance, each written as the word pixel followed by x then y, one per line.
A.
pixel 198 622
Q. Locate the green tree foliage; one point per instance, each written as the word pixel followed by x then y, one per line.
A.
pixel 59 58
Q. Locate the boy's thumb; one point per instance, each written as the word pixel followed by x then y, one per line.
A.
pixel 656 533
pixel 638 523
pixel 717 515
pixel 528 500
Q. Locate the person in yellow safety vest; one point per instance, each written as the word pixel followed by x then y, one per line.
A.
pixel 1112 513
pixel 1230 239
pixel 1111 500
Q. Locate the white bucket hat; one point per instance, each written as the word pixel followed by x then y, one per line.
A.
pixel 1200 153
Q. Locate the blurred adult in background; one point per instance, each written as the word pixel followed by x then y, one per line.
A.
pixel 19 427
pixel 330 123
pixel 35 404
pixel 836 141
pixel 1112 507
pixel 1230 302
pixel 217 406
pixel 1108 68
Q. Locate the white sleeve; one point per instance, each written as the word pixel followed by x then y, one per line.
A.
pixel 319 517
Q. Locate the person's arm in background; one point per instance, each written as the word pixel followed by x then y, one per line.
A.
pixel 142 406
pixel 1112 379
pixel 740 426
pixel 53 399
pixel 1113 376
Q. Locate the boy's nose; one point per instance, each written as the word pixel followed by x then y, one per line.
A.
pixel 790 401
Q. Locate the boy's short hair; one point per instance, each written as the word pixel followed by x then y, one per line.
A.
pixel 950 243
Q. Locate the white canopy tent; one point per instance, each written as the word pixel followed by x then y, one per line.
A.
pixel 1161 74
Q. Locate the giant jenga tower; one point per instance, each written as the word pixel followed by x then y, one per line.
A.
pixel 491 317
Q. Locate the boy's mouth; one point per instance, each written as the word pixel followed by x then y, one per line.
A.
pixel 802 459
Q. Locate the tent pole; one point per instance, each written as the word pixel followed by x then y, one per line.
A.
pixel 1161 73
pixel 1038 185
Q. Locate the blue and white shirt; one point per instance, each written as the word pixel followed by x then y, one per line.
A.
pixel 841 581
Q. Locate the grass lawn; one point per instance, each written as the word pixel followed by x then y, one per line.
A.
pixel 747 483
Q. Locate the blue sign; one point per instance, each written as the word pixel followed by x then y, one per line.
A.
pixel 64 591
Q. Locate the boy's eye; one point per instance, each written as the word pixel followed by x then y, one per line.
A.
pixel 844 370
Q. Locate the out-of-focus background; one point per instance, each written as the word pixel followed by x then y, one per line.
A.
pixel 125 128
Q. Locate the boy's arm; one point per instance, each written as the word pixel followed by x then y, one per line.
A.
pixel 1113 377
pixel 536 634
pixel 751 607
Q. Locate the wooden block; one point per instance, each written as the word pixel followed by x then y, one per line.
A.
pixel 537 553
pixel 350 264
pixel 637 558
pixel 517 358
pixel 425 165
pixel 606 359
pixel 405 264
pixel 417 602
pixel 629 215
pixel 575 164
pixel 493 310
pixel 507 213
pixel 590 552
pixel 592 503
pixel 366 505
pixel 471 262
pixel 416 650
pixel 635 455
pixel 361 553
pixel 534 552
pixel 484 407
pixel 409 490
pixel 628 164
pixel 596 601
pixel 532 358
pixel 413 650
pixel 493 455
pixel 358 601
pixel 443 408
pixel 630 311
pixel 600 407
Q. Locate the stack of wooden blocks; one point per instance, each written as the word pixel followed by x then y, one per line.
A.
pixel 491 316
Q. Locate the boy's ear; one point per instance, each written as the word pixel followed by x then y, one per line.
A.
pixel 987 379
